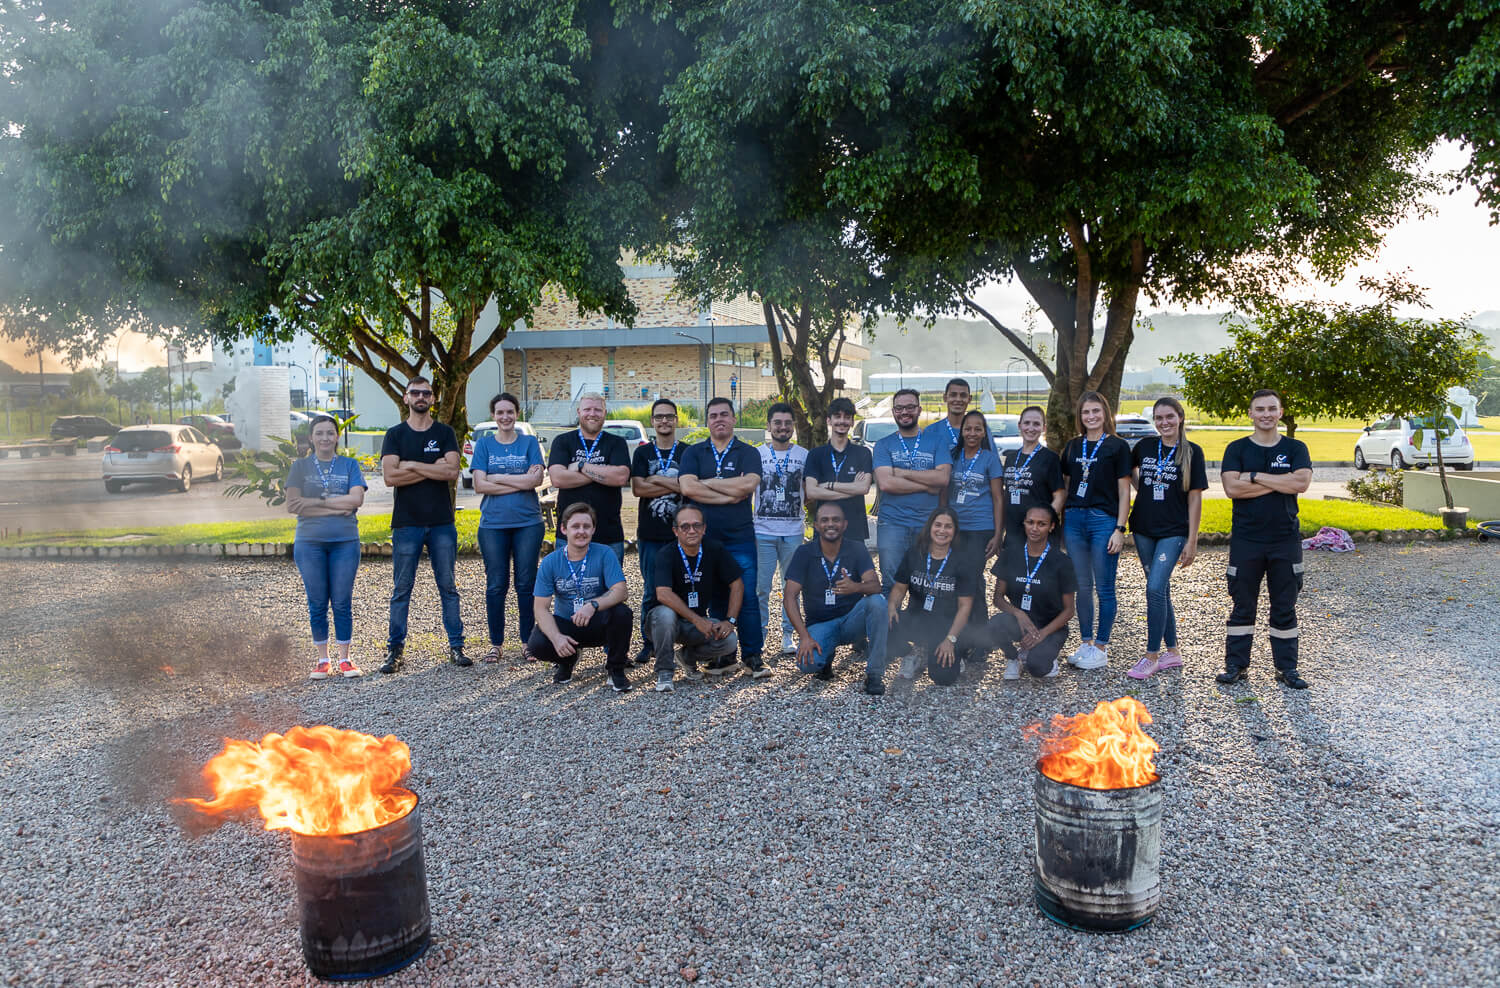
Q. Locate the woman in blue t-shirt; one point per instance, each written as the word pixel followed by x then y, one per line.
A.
pixel 508 467
pixel 325 491
pixel 975 492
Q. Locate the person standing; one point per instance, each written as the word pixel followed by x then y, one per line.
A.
pixel 580 602
pixel 653 478
pixel 1097 465
pixel 419 460
pixel 325 491
pixel 1035 590
pixel 591 466
pixel 911 470
pixel 685 570
pixel 949 429
pixel 942 598
pixel 1169 478
pixel 1263 473
pixel 507 467
pixel 721 475
pixel 843 605
pixel 1033 474
pixel 840 471
pixel 779 514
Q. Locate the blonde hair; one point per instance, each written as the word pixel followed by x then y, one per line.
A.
pixel 1184 455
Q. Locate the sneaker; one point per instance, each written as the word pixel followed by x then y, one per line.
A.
pixel 1056 671
pixel 493 655
pixel 1094 658
pixel 664 681
pixel 349 670
pixel 1145 668
pixel 458 658
pixel 1169 659
pixel 1013 669
pixel 1233 676
pixel 724 665
pixel 642 657
pixel 788 646
pixel 618 682
pixel 1292 679
pixel 909 664
pixel 1080 655
pixel 874 686
pixel 320 671
pixel 564 673
pixel 824 671
pixel 393 658
pixel 690 670
pixel 757 668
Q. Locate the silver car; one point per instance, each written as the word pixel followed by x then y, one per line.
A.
pixel 174 453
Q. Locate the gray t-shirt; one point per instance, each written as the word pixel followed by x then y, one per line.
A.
pixel 313 477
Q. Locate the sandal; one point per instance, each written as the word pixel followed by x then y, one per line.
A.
pixel 493 655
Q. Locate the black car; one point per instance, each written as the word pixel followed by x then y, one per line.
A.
pixel 75 426
pixel 1134 428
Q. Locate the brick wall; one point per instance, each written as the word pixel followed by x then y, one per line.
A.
pixel 654 297
pixel 671 371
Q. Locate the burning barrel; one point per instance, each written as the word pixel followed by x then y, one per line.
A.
pixel 1098 820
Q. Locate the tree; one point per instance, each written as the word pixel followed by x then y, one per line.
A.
pixel 376 175
pixel 1351 361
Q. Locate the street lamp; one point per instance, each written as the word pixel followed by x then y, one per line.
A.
pixel 713 357
pixel 1012 360
pixel 499 370
pixel 306 381
pixel 690 336
pixel 901 366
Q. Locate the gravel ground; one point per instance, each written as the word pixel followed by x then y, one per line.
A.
pixel 774 833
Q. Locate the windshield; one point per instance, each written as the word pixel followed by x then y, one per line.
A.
pixel 876 431
pixel 1450 424
pixel 1001 428
pixel 623 431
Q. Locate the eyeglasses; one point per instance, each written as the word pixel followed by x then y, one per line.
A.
pixel 420 394
pixel 905 408
pixel 689 526
pixel 664 418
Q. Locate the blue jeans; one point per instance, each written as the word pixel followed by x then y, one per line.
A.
pixel 646 556
pixel 442 551
pixel 771 551
pixel 1086 533
pixel 1158 559
pixel 891 544
pixel 868 621
pixel 504 550
pixel 327 570
pixel 751 631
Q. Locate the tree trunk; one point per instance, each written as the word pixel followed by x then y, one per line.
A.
pixel 1437 442
pixel 792 345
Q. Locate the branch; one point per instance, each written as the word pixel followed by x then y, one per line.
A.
pixel 1013 338
pixel 1083 306
pixel 1311 101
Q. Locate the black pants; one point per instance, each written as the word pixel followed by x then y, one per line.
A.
pixel 1005 634
pixel 611 628
pixel 924 631
pixel 1280 565
pixel 970 549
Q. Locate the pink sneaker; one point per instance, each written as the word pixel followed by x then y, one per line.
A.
pixel 348 669
pixel 1144 669
pixel 1170 659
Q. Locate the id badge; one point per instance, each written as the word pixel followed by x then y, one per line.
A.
pixel 1026 602
pixel 830 599
pixel 927 604
pixel 1083 488
pixel 1015 495
pixel 1158 492
pixel 693 600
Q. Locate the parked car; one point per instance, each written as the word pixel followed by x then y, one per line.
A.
pixel 465 471
pixel 299 420
pixel 633 432
pixel 212 426
pixel 1391 440
pixel 870 431
pixel 76 426
pixel 169 452
pixel 1134 428
pixel 1005 432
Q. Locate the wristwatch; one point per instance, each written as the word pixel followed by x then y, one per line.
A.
pixel 952 639
pixel 1250 479
pixel 733 621
pixel 1120 529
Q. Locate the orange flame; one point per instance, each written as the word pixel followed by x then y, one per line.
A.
pixel 1105 749
pixel 316 781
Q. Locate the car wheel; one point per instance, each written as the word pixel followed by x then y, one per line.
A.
pixel 1360 463
pixel 1463 466
pixel 1397 463
pixel 218 470
pixel 468 483
pixel 186 483
pixel 113 486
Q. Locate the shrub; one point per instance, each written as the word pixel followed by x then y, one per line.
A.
pixel 687 415
pixel 1378 488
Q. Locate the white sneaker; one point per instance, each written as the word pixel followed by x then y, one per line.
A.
pixel 1013 668
pixel 1093 657
pixel 1055 670
pixel 909 664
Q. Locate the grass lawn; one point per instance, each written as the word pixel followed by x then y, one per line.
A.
pixel 1326 447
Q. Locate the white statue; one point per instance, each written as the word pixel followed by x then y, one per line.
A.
pixel 260 406
pixel 1468 405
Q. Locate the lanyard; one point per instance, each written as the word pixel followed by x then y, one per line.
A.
pixel 662 465
pixel 578 574
pixel 832 574
pixel 1018 466
pixel 719 457
pixel 838 465
pixel 952 433
pixel 692 575
pixel 931 576
pixel 323 478
pixel 1159 460
pixel 968 469
pixel 588 450
pixel 779 467
pixel 911 464
pixel 1026 552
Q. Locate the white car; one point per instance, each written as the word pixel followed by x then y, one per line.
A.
pixel 1005 431
pixel 634 434
pixel 465 471
pixel 1391 441
pixel 173 453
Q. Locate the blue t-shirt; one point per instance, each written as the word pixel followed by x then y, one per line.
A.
pixel 518 508
pixel 947 435
pixel 727 523
pixel 969 491
pixel 312 477
pixel 921 453
pixel 810 568
pixel 569 583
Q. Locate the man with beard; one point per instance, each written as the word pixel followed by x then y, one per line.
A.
pixel 842 471
pixel 685 571
pixel 779 517
pixel 653 479
pixel 589 466
pixel 911 468
pixel 418 460
pixel 843 603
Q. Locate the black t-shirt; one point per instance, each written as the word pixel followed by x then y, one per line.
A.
pixel 654 524
pixel 1111 461
pixel 608 450
pixel 1029 481
pixel 714 565
pixel 1054 577
pixel 427 502
pixel 824 465
pixel 1271 517
pixel 726 522
pixel 1160 510
pixel 811 569
pixel 944 579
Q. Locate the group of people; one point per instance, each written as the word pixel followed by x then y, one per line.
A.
pixel 719 518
